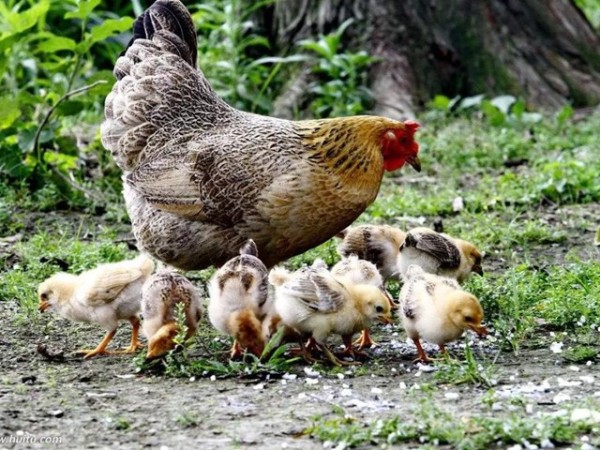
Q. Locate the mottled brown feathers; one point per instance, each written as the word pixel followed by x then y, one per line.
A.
pixel 201 178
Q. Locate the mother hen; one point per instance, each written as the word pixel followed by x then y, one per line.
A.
pixel 201 177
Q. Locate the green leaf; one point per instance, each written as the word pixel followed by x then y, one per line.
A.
pixel 69 108
pixel 469 102
pixel 565 113
pixel 110 27
pixel 102 89
pixel 84 8
pixel 503 102
pixel 518 109
pixel 56 43
pixel 17 22
pixel 494 115
pixel 441 102
pixel 9 112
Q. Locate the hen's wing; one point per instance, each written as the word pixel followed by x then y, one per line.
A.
pixel 159 94
pixel 436 245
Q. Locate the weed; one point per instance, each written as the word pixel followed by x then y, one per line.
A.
pixel 468 371
pixel 188 419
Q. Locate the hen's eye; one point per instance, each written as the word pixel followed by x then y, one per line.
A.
pixel 403 140
pixel 379 309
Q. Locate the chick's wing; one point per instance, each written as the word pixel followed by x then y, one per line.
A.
pixel 318 292
pixel 105 285
pixel 441 248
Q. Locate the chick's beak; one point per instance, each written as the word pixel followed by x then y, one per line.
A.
pixel 480 330
pixel 414 162
pixel 43 306
pixel 385 319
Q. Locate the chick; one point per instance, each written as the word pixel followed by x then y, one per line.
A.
pixel 378 244
pixel 316 303
pixel 239 300
pixel 104 295
pixel 436 309
pixel 161 294
pixel 360 271
pixel 439 254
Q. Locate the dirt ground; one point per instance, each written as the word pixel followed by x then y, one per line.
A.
pixel 105 403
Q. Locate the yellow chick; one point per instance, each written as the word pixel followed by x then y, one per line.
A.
pixel 439 254
pixel 239 300
pixel 436 309
pixel 378 244
pixel 161 294
pixel 360 271
pixel 104 295
pixel 313 302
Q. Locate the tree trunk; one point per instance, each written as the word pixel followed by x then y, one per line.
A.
pixel 542 50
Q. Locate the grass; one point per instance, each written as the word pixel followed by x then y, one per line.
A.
pixel 431 426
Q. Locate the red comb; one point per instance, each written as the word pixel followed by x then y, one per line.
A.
pixel 411 125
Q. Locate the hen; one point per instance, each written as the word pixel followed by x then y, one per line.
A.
pixel 201 178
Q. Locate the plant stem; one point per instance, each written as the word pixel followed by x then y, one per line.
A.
pixel 36 140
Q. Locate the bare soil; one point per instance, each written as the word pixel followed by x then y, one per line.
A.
pixel 106 403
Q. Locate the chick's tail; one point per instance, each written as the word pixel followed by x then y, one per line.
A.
pixel 278 276
pixel 159 94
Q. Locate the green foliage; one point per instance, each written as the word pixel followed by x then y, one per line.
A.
pixel 42 71
pixel 228 44
pixel 341 76
pixel 591 8
pixel 431 425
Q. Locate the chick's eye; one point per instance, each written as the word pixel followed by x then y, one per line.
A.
pixel 44 296
pixel 468 319
pixel 379 309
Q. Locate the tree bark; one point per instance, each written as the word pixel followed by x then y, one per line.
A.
pixel 542 50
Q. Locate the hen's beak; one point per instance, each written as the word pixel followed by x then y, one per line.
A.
pixel 479 329
pixel 477 269
pixel 414 162
pixel 43 306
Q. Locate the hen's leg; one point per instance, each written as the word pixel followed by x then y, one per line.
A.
pixel 101 349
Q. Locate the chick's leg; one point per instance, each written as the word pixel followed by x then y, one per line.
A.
pixel 365 341
pixel 236 350
pixel 335 360
pixel 135 332
pixel 422 355
pixel 101 349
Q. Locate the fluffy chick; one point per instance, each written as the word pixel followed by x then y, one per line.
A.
pixel 360 271
pixel 436 309
pixel 104 295
pixel 439 254
pixel 239 300
pixel 378 244
pixel 316 303
pixel 161 294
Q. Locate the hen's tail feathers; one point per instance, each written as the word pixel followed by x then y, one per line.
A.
pixel 171 16
pixel 160 98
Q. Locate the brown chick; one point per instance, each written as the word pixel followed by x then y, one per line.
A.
pixel 239 300
pixel 201 177
pixel 313 302
pixel 439 254
pixel 360 271
pixel 161 294
pixel 378 244
pixel 104 295
pixel 436 309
